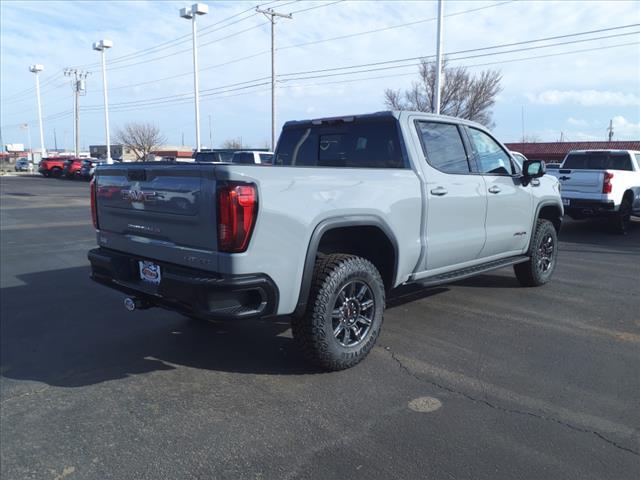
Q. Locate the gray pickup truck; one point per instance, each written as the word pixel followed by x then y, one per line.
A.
pixel 351 208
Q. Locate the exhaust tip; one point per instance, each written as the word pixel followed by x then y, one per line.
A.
pixel 130 304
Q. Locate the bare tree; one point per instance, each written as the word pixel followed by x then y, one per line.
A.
pixel 141 138
pixel 233 143
pixel 463 94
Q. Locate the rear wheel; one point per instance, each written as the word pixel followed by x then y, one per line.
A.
pixel 56 172
pixel 620 223
pixel 542 256
pixel 344 313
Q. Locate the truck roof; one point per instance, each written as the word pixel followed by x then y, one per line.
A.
pixel 382 114
pixel 610 150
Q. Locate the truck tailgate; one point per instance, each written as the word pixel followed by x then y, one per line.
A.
pixel 164 205
pixel 582 181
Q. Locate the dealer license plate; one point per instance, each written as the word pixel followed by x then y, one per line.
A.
pixel 149 272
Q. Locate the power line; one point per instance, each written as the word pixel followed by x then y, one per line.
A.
pixel 315 6
pixel 400 60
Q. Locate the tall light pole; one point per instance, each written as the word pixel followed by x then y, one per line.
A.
pixel 438 86
pixel 191 14
pixel 271 16
pixel 102 46
pixel 37 69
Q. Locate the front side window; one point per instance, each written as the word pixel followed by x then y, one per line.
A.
pixel 361 144
pixel 490 157
pixel 443 147
pixel 266 158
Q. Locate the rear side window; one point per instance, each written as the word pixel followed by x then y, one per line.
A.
pixel 598 161
pixel 363 144
pixel 266 158
pixel 443 147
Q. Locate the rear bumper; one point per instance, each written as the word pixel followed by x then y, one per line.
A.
pixel 189 291
pixel 589 208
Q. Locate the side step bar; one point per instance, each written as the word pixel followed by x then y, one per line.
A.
pixel 463 273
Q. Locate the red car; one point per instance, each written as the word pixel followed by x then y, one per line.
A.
pixel 52 166
pixel 72 167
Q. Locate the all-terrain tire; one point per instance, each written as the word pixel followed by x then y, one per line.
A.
pixel 314 330
pixel 543 254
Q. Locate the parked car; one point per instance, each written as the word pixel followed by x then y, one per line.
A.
pixel 352 208
pixel 22 165
pixel 71 168
pixel 52 166
pixel 601 183
pixel 252 157
pixel 553 165
pixel 88 167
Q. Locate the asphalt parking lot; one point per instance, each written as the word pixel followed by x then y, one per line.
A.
pixel 522 383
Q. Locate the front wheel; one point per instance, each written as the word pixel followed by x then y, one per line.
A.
pixel 344 312
pixel 543 254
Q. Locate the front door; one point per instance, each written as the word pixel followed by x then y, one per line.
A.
pixel 509 203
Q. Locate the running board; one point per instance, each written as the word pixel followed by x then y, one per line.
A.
pixel 463 273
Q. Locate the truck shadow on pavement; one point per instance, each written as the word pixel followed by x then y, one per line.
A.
pixel 62 329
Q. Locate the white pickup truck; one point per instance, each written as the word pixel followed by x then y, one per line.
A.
pixel 601 183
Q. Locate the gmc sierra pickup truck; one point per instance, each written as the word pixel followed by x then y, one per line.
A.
pixel 601 183
pixel 351 208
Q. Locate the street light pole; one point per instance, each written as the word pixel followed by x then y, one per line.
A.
pixel 436 101
pixel 191 14
pixel 37 69
pixel 102 46
pixel 271 16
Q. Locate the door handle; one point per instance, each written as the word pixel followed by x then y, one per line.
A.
pixel 494 189
pixel 439 191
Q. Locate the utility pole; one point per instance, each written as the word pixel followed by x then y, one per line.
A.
pixel 610 129
pixel 438 86
pixel 55 140
pixel 182 139
pixel 271 16
pixel 78 86
pixel 210 134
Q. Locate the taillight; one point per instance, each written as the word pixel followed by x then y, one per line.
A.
pixel 94 211
pixel 607 187
pixel 237 211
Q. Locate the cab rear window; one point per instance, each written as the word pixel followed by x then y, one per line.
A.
pixel 359 144
pixel 598 161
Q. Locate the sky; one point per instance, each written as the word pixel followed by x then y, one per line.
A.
pixel 573 90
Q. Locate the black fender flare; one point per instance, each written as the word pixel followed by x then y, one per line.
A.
pixel 331 224
pixel 541 205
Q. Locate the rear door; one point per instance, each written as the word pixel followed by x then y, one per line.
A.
pixel 509 203
pixel 456 198
pixel 167 211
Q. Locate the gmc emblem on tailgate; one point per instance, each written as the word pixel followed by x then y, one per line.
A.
pixel 139 196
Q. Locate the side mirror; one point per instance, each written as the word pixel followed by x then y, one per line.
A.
pixel 532 169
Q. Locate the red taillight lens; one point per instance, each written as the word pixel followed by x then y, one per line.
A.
pixel 237 210
pixel 94 211
pixel 607 187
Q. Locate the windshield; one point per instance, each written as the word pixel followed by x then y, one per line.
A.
pixel 598 161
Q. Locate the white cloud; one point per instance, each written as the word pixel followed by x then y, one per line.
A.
pixel 586 98
pixel 577 122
